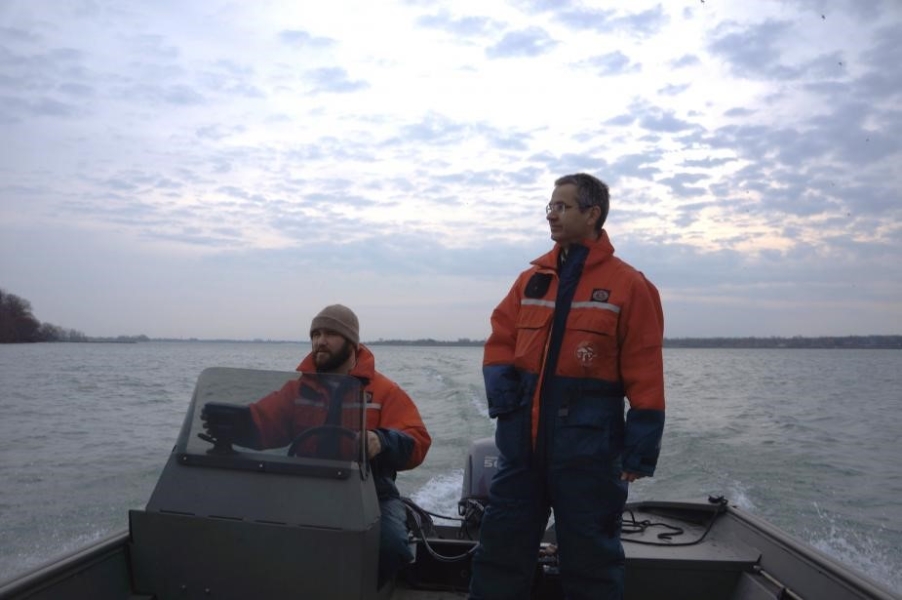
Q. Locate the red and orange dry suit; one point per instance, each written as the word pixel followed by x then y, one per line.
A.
pixel 280 417
pixel 570 340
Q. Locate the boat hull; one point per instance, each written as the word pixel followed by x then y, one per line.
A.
pixel 740 557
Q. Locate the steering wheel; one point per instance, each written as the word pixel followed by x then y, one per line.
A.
pixel 320 430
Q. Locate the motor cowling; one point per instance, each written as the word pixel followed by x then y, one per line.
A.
pixel 481 465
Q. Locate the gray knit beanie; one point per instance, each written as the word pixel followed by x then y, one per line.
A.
pixel 338 318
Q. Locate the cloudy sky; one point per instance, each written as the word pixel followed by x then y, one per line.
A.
pixel 224 169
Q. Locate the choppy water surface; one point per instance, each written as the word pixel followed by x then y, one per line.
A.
pixel 807 439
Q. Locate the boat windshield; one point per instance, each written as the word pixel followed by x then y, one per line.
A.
pixel 274 421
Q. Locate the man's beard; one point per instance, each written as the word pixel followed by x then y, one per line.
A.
pixel 334 360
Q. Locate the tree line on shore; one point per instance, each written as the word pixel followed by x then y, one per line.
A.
pixel 19 325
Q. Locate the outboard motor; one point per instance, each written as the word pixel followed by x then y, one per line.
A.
pixel 482 463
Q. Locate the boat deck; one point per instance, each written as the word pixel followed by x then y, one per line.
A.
pixel 667 549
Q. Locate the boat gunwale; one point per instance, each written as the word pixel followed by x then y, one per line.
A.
pixel 66 565
pixel 801 551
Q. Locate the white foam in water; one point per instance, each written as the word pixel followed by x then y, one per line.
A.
pixel 856 549
pixel 37 556
pixel 440 495
pixel 738 496
pixel 478 400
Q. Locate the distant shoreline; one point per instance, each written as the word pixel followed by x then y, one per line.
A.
pixel 883 342
pixel 857 342
pixel 862 342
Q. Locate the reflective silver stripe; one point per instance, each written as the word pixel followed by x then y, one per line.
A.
pixel 591 304
pixel 308 402
pixel 531 302
pixel 318 404
pixel 374 406
pixel 601 305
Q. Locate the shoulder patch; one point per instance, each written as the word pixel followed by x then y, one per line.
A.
pixel 538 285
pixel 600 295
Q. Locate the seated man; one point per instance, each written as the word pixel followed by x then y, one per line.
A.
pixel 396 438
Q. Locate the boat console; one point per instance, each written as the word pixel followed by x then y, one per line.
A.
pixel 227 521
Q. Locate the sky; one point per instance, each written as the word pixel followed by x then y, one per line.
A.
pixel 224 169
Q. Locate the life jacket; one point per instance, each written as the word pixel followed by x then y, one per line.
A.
pixel 611 344
pixel 284 414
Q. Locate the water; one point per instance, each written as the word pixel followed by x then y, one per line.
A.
pixel 807 439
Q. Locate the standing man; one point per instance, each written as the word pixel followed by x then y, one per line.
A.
pixel 397 439
pixel 578 331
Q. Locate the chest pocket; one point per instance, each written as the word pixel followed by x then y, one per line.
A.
pixel 533 323
pixel 590 345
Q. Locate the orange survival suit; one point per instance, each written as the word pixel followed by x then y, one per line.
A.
pixel 279 417
pixel 573 337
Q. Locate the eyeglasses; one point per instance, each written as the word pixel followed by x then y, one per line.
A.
pixel 558 207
